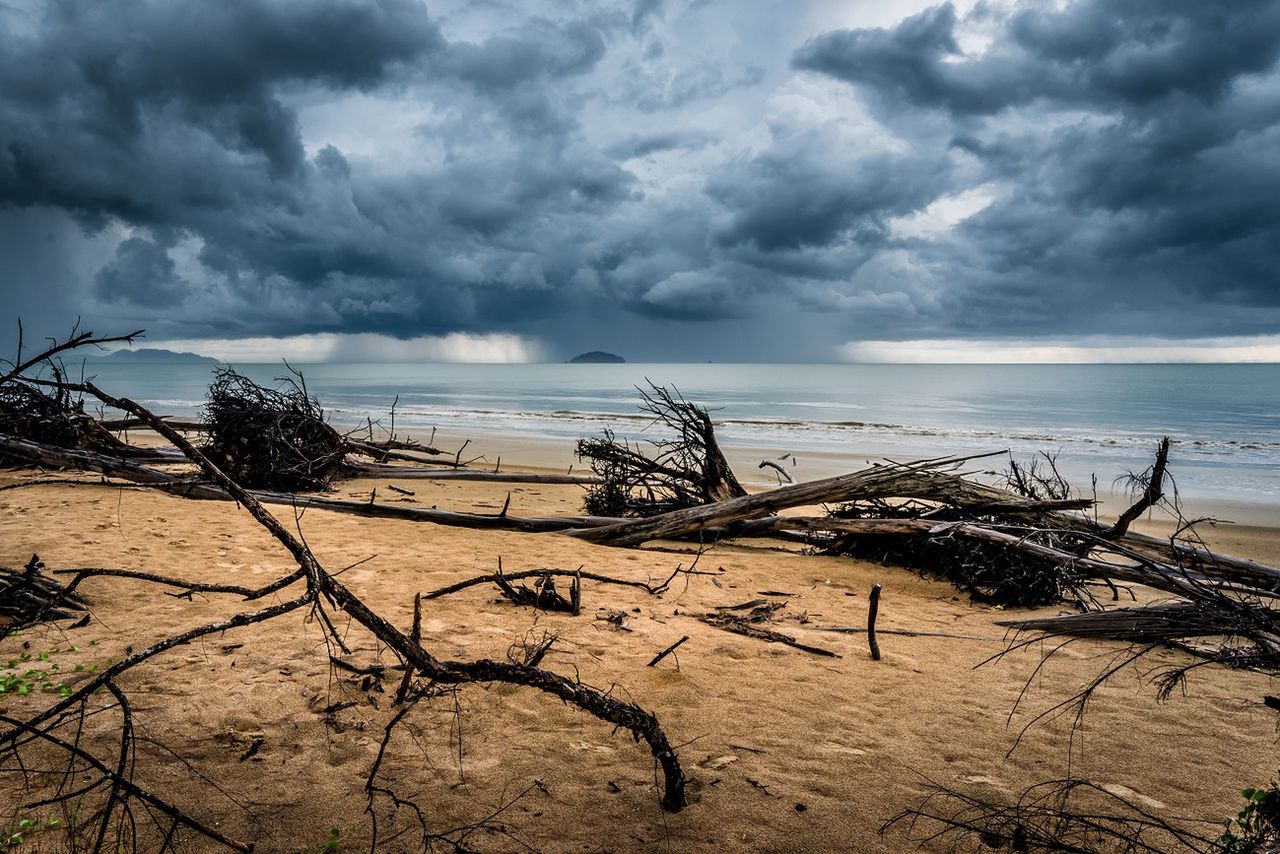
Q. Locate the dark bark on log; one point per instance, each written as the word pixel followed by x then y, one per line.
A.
pixel 415 635
pixel 411 473
pixel 873 609
pixel 730 518
pixel 63 458
pixel 403 451
pixel 1170 579
pixel 742 626
pixel 185 425
pixel 1150 496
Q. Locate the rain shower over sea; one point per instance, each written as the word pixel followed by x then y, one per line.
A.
pixel 1098 419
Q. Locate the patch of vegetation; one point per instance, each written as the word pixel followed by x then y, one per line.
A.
pixel 1256 828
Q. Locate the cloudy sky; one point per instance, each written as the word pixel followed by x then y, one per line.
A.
pixel 667 179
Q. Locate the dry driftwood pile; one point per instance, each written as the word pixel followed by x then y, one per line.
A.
pixel 52 414
pixel 271 438
pixel 279 439
pixel 30 595
pixel 686 470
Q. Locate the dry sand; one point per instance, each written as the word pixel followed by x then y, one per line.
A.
pixel 787 751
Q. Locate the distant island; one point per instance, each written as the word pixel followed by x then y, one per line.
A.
pixel 597 357
pixel 152 356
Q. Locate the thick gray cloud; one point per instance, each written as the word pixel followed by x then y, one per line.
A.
pixel 142 274
pixel 1133 147
pixel 778 179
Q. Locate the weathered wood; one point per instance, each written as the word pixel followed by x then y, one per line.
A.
pixel 398 451
pixel 654 661
pixel 873 608
pixel 1172 579
pixel 411 473
pixel 1162 564
pixel 63 458
pixel 1150 496
pixel 185 425
pixel 877 481
pixel 415 635
pixel 742 626
pixel 320 583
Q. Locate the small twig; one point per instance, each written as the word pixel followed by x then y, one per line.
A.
pixel 415 635
pixel 667 651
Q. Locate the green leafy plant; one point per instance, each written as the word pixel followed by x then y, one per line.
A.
pixel 28 827
pixel 331 843
pixel 1256 828
pixel 30 672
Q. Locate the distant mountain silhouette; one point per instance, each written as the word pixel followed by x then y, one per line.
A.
pixel 152 356
pixel 598 357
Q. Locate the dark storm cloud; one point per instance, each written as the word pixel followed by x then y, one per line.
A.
pixel 261 167
pixel 1111 53
pixel 1134 144
pixel 540 50
pixel 142 273
pixel 643 145
pixel 108 74
pixel 798 195
pixel 176 119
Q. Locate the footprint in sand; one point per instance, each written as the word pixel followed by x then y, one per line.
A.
pixel 1130 795
pixel 715 763
pixel 979 779
pixel 586 745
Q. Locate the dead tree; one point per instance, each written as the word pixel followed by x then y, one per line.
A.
pixel 684 471
pixel 123 802
pixel 52 414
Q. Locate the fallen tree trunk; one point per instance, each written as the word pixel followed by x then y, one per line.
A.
pixel 1171 579
pixel 384 451
pixel 887 481
pixel 408 473
pixel 62 458
pixel 183 424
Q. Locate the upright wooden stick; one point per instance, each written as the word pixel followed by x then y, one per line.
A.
pixel 415 635
pixel 871 622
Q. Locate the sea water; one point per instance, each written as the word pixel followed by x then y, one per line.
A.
pixel 1097 419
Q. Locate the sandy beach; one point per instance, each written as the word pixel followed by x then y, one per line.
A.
pixel 786 751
